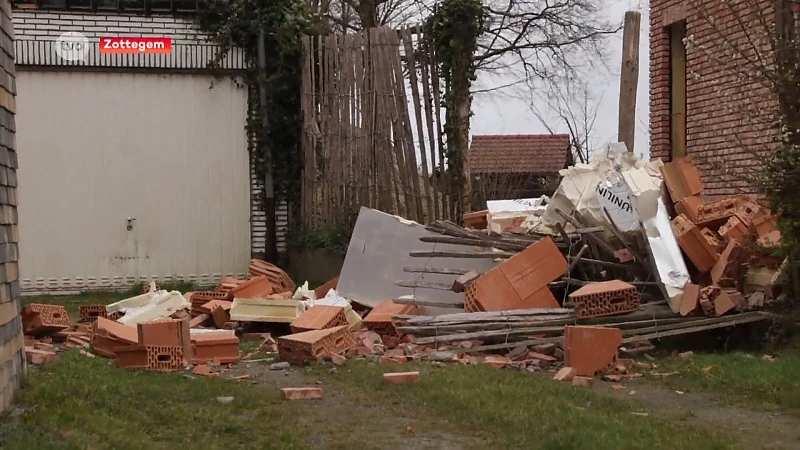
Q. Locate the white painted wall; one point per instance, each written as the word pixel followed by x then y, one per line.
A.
pixel 96 148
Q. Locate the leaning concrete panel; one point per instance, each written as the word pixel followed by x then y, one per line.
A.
pixel 12 353
pixel 378 252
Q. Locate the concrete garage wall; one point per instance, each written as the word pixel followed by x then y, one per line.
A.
pixel 12 356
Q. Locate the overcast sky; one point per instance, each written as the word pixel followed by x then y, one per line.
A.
pixel 496 113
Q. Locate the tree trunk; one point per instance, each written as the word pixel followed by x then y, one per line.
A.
pixel 368 13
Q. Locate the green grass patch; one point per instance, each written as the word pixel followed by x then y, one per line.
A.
pixel 87 403
pixel 744 378
pixel 517 410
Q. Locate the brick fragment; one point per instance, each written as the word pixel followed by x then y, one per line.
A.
pixel 307 393
pixel 690 301
pixel 90 313
pixel 461 283
pixel 39 357
pixel 591 349
pixel 497 362
pixel 582 381
pixel 733 229
pixel 401 377
pixel 323 290
pixel 690 206
pixel 565 374
pixel 694 244
pixel 380 318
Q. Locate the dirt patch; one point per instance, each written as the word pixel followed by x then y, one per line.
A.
pixel 756 429
pixel 349 417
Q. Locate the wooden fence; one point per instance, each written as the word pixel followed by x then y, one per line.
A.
pixel 364 144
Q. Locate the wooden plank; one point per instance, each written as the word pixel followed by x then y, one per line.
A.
pixel 423 285
pixel 412 75
pixel 465 255
pixel 437 100
pixel 439 270
pixel 629 79
pixel 432 139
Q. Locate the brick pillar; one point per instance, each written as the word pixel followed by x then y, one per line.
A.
pixel 12 353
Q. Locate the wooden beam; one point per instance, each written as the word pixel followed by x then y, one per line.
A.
pixel 629 79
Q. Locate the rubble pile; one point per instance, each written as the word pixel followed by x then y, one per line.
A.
pixel 566 285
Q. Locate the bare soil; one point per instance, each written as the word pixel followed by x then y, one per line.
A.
pixel 755 429
pixel 350 418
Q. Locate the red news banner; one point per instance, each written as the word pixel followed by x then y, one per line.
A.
pixel 142 45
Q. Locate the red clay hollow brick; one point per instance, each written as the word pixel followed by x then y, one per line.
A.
pixel 690 301
pixel 90 313
pixel 279 279
pixel 44 319
pixel 307 393
pixel 733 229
pixel 604 299
pixel 309 346
pixel 167 333
pixel 692 242
pixel 519 282
pixel 589 350
pixel 165 358
pixel 218 348
pixel 682 178
pixel 401 377
pixel 198 299
pixel 260 286
pixel 690 206
pixel 380 318
pixel 318 318
pixel 323 290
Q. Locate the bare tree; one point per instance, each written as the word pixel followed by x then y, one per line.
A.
pixel 573 105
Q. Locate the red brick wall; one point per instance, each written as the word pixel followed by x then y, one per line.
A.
pixel 727 115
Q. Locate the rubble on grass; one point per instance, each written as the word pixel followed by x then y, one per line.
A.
pixel 572 286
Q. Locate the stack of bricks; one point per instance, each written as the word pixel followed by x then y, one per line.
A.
pixel 200 298
pixel 162 345
pixel 606 298
pixel 310 346
pixel 12 354
pixel 717 238
pixel 276 275
pixel 227 284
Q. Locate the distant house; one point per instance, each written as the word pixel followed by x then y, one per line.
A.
pixel 509 166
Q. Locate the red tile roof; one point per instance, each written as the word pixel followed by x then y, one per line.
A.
pixel 518 153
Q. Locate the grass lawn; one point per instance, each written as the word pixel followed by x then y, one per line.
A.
pixel 83 402
pixel 744 378
pixel 515 410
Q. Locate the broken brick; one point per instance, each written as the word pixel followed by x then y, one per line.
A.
pixel 589 350
pixel 39 357
pixel 691 297
pixel 401 377
pixel 380 319
pixel 694 244
pixel 323 290
pixel 309 346
pixel 257 287
pixel 565 374
pixel 497 362
pixel 690 206
pixel 40 319
pixel 308 393
pixel 582 381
